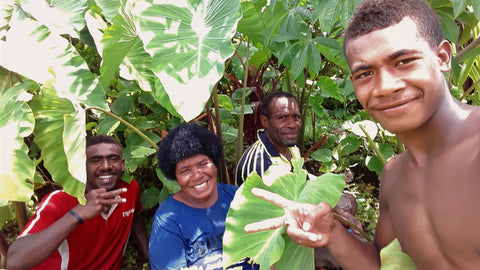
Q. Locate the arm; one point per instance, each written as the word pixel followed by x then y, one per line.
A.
pixel 32 249
pixel 141 235
pixel 314 226
pixel 166 246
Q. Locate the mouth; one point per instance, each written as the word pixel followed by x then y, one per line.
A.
pixel 107 179
pixel 200 186
pixel 393 107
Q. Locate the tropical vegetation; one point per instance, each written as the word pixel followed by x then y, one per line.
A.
pixel 136 68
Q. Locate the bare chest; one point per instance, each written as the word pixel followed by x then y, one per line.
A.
pixel 435 211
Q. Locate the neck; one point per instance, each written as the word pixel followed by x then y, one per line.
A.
pixel 436 135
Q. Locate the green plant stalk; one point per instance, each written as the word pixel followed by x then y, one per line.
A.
pixel 239 144
pixel 467 49
pixel 136 130
pixel 362 233
pixel 470 89
pixel 372 145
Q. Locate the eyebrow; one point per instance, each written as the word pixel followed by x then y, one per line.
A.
pixel 392 57
pixel 401 53
pixel 108 156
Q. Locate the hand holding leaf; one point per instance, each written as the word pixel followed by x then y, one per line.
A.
pixel 299 218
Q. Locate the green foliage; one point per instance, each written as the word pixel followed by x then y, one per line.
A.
pixel 268 247
pixel 135 69
pixel 393 258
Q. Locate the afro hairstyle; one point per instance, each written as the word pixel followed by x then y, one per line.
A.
pixel 185 141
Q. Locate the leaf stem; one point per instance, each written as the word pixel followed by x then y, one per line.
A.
pixel 342 219
pixel 136 130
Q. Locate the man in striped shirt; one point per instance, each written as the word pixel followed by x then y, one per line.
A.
pixel 277 141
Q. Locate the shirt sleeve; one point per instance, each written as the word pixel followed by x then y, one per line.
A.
pixel 166 245
pixel 49 210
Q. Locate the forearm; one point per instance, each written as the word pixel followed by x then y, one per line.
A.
pixel 30 250
pixel 351 252
pixel 141 235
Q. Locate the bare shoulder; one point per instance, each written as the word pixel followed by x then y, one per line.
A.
pixel 394 167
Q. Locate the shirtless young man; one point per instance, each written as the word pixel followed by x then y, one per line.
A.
pixel 428 194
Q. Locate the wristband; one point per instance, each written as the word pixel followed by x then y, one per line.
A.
pixel 76 216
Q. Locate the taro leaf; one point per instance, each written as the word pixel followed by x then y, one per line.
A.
pixel 50 111
pixel 189 42
pixel 122 48
pixel 267 248
pixel 392 258
pixel 68 86
pixel 16 122
pixel 61 17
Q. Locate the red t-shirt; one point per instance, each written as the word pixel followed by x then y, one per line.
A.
pixel 98 243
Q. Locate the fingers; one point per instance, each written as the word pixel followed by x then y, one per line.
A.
pixel 271 197
pixel 264 225
pixel 101 199
pixel 304 238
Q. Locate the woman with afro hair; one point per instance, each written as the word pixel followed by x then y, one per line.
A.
pixel 188 227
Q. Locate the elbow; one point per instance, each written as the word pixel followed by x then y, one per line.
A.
pixel 14 263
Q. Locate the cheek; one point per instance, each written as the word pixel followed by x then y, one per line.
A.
pixel 362 96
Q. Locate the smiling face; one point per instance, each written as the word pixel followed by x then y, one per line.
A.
pixel 283 126
pixel 397 76
pixel 197 178
pixel 105 166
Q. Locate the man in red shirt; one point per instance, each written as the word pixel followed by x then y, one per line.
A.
pixel 63 234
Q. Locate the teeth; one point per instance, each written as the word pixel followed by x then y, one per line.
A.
pixel 201 185
pixel 105 176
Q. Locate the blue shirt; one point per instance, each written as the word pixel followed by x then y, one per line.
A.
pixel 183 236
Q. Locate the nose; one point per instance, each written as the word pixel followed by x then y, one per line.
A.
pixel 388 83
pixel 105 164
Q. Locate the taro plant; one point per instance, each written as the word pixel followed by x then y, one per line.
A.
pixel 274 247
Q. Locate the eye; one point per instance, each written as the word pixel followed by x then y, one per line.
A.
pixel 406 61
pixel 114 159
pixel 363 75
pixel 94 160
pixel 184 171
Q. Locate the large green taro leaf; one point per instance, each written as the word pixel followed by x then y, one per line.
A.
pixel 68 87
pixel 122 48
pixel 57 125
pixel 189 42
pixel 61 17
pixel 268 247
pixel 16 122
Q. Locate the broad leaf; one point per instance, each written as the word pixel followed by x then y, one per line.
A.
pixel 329 87
pixel 189 42
pixel 392 258
pixel 267 248
pixel 123 49
pixel 68 81
pixel 50 111
pixel 16 122
pixel 61 17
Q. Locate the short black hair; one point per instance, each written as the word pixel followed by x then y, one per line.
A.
pixel 185 141
pixel 371 15
pixel 267 100
pixel 101 139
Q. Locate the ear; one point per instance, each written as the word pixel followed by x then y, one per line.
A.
pixel 264 121
pixel 444 54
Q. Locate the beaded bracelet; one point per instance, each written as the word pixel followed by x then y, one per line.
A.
pixel 76 216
